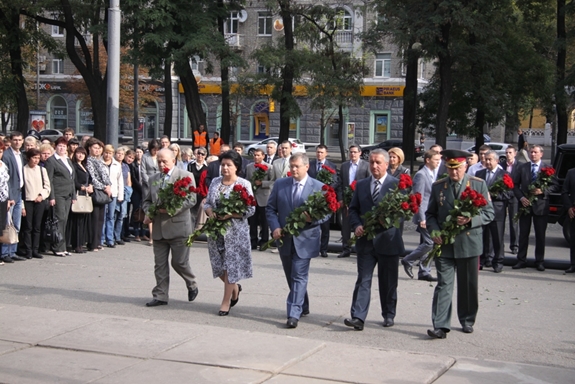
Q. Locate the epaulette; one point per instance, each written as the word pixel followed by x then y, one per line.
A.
pixel 441 180
pixel 475 178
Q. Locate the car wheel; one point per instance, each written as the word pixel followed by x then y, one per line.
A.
pixel 251 152
pixel 502 158
pixel 365 154
pixel 566 229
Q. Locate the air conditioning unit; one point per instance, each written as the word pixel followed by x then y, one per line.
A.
pixel 42 67
pixel 41 59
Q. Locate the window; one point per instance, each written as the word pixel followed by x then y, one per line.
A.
pixel 57 31
pixel 264 24
pixel 57 66
pixel 263 69
pixel 383 65
pixel 422 69
pixel 343 20
pixel 232 23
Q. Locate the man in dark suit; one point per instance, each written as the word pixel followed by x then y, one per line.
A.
pixel 511 165
pixel 214 166
pixel 461 257
pixel 271 148
pixel 170 232
pixel 262 194
pixel 63 194
pixel 383 250
pixel 295 252
pixel 239 148
pixel 315 166
pixel 422 182
pixel 568 195
pixel 353 170
pixel 520 139
pixel 538 211
pixel 14 161
pixel 493 232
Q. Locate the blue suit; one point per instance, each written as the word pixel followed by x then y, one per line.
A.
pixel 296 252
pixel 383 250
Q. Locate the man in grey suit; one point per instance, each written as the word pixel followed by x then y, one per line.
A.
pixel 170 232
pixel 261 193
pixel 295 252
pixel 353 170
pixel 422 182
pixel 383 250
pixel 511 165
pixel 281 165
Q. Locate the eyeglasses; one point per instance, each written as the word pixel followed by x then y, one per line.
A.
pixel 200 154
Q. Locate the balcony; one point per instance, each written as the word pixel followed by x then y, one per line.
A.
pixel 234 40
pixel 344 37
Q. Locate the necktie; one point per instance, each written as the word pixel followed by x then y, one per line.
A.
pixel 533 172
pixel 319 165
pixel 488 177
pixel 295 197
pixel 375 193
pixel 455 189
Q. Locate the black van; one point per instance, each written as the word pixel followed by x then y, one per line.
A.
pixel 563 162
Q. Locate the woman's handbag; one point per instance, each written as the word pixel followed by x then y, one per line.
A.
pixel 100 197
pixel 51 233
pixel 138 215
pixel 83 204
pixel 9 235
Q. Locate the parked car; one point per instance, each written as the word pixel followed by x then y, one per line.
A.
pixel 563 162
pixel 387 145
pixel 52 134
pixel 499 148
pixel 296 146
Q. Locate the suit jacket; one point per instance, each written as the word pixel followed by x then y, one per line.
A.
pixel 500 200
pixel 149 168
pixel 442 170
pixel 279 207
pixel 9 158
pixel 61 178
pixel 361 173
pixel 522 180
pixel 280 168
pixel 568 191
pixel 312 171
pixel 136 178
pixel 468 243
pixel 262 193
pixel 401 169
pixel 168 227
pixel 388 242
pixel 422 182
pixel 213 172
pixel 270 159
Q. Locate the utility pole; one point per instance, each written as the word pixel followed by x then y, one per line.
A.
pixel 113 99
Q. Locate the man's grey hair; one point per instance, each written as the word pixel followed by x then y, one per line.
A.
pixel 537 146
pixel 379 151
pixel 167 152
pixel 491 152
pixel 272 143
pixel 299 155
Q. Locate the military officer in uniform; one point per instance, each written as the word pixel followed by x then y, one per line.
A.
pixel 462 256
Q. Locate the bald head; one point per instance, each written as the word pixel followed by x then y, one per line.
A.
pixel 166 158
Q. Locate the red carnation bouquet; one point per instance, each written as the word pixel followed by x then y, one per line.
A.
pixel 259 174
pixel 171 196
pixel 317 206
pixel 542 182
pixel 348 193
pixel 469 205
pixel 326 174
pixel 237 202
pixel 391 209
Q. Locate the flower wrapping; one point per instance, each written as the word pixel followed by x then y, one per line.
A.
pixel 468 205
pixel 326 174
pixel 236 203
pixel 317 206
pixel 259 174
pixel 544 178
pixel 348 193
pixel 172 196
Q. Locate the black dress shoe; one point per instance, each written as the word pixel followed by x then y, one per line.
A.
pixel 519 265
pixel 408 269
pixel 437 333
pixel 155 303
pixel 388 323
pixel 571 269
pixel 467 329
pixel 223 313
pixel 120 242
pixel 292 322
pixel 323 254
pixel 344 254
pixel 17 258
pixel 514 251
pixel 234 302
pixel 192 294
pixel 427 278
pixel 305 312
pixel 540 267
pixel 7 259
pixel 126 240
pixel 27 256
pixel 110 245
pixel 36 255
pixel 488 264
pixel 497 268
pixel 354 322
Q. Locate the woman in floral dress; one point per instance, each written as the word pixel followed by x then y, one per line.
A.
pixel 230 254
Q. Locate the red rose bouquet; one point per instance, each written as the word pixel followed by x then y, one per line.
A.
pixel 504 184
pixel 391 209
pixel 317 206
pixel 237 202
pixel 171 196
pixel 348 193
pixel 542 182
pixel 259 174
pixel 326 174
pixel 469 205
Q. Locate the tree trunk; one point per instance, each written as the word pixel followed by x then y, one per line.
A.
pixel 168 98
pixel 445 85
pixel 288 73
pixel 479 124
pixel 511 123
pixel 192 96
pixel 410 104
pixel 560 94
pixel 340 131
pixel 225 128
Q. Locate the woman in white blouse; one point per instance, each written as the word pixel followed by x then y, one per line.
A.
pixel 117 180
pixel 4 177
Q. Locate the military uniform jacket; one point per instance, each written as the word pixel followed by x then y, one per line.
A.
pixel 469 242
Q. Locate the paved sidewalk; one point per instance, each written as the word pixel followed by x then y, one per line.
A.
pixel 47 346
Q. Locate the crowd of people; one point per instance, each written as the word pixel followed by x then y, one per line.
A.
pixel 42 182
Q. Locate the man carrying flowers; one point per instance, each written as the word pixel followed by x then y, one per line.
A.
pixel 296 251
pixel 461 246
